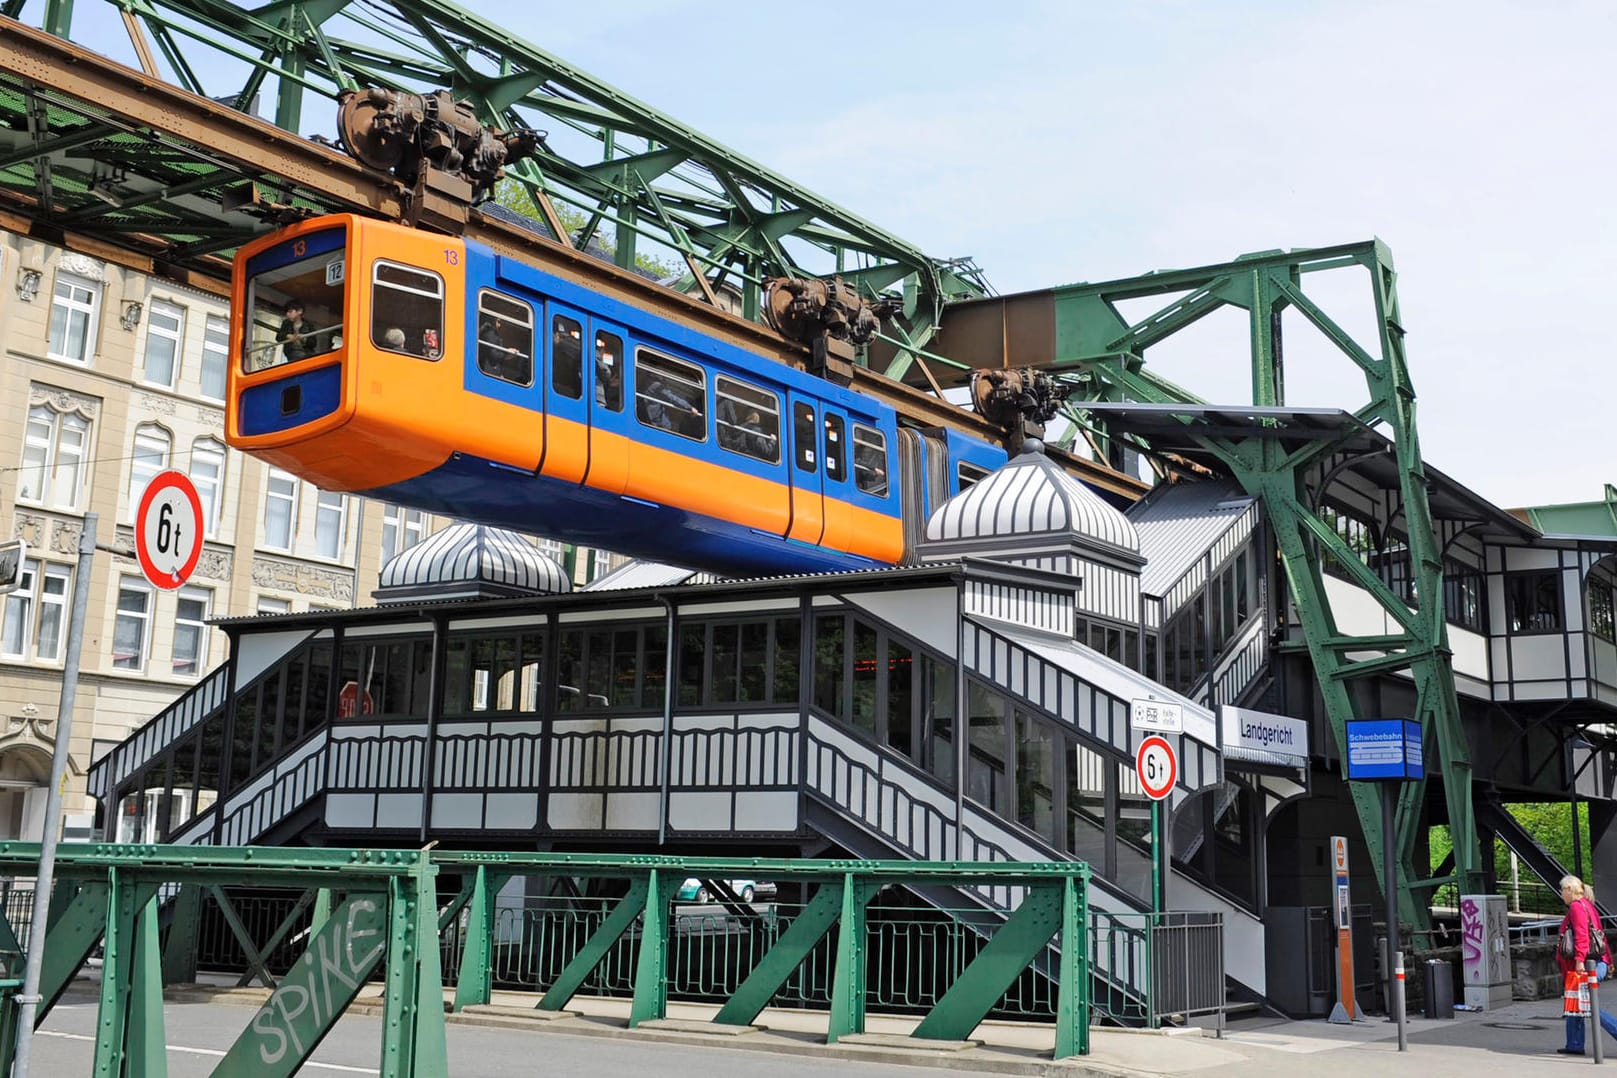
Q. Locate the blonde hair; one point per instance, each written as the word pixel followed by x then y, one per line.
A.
pixel 1589 891
pixel 1573 884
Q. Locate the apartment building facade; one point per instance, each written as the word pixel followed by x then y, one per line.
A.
pixel 109 376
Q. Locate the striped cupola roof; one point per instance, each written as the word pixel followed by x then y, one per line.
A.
pixel 1031 497
pixel 470 561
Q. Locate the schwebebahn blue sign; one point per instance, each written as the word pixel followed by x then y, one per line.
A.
pixel 1380 750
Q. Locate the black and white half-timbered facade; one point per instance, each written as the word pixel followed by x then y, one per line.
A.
pixel 974 706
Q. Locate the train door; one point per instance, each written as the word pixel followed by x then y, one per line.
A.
pixel 604 383
pixel 838 483
pixel 807 466
pixel 567 418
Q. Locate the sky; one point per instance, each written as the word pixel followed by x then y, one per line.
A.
pixel 1081 141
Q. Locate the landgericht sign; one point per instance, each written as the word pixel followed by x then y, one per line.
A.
pixel 1261 731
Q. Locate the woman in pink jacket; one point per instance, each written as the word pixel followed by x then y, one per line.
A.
pixel 1580 917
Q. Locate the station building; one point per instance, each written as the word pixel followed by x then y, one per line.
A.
pixel 975 705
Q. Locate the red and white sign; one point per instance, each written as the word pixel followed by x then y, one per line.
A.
pixel 168 530
pixel 1157 767
pixel 351 702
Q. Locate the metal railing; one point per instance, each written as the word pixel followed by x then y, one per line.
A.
pixel 1184 952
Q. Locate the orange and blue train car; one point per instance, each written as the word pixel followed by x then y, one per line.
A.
pixel 435 373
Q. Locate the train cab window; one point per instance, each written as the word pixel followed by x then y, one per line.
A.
pixel 566 357
pixel 968 474
pixel 804 436
pixel 295 308
pixel 870 460
pixel 504 338
pixel 407 310
pixel 609 371
pixel 836 449
pixel 748 419
pixel 670 395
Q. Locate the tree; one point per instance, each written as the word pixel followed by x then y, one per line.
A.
pixel 514 196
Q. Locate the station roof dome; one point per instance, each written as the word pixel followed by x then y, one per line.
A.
pixel 470 561
pixel 1032 496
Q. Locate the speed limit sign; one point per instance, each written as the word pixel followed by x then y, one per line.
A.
pixel 168 530
pixel 1157 767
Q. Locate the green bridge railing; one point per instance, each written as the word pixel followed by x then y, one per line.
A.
pixel 368 914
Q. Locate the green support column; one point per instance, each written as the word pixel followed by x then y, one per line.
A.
pixel 848 984
pixel 119 944
pixel 981 984
pixel 147 1036
pixel 651 967
pixel 475 985
pixel 321 913
pixel 184 922
pixel 1072 991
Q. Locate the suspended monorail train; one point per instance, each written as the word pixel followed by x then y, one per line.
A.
pixel 435 373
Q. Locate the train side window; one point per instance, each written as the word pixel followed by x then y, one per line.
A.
pixel 609 371
pixel 407 310
pixel 968 474
pixel 836 458
pixel 504 338
pixel 748 419
pixel 804 436
pixel 670 394
pixel 870 460
pixel 567 357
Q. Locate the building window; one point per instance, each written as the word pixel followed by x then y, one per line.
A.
pixel 191 632
pixel 73 318
pixel 146 460
pixel 280 509
pixel 165 329
pixel 129 638
pixel 1533 602
pixel 600 564
pixel 270 605
pixel 330 516
pixel 207 475
pixel 215 353
pixel 401 529
pixel 1601 620
pixel 53 452
pixel 36 614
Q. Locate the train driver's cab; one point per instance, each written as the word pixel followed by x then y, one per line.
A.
pixel 295 301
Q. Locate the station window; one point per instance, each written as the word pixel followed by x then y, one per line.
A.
pixel 567 357
pixel 870 460
pixel 609 371
pixel 836 462
pixel 804 436
pixel 407 310
pixel 1533 602
pixel 969 474
pixel 504 338
pixel 748 419
pixel 1602 621
pixel 670 395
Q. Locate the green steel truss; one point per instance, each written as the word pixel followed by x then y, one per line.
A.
pixel 625 176
pixel 380 909
pixel 1102 353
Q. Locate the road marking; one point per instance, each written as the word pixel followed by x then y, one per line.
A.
pixel 209 1052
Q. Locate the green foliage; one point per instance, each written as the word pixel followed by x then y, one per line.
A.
pixel 514 197
pixel 1550 823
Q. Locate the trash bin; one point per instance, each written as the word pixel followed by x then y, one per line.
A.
pixel 1439 985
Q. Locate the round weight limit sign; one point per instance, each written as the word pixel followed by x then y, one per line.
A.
pixel 168 530
pixel 1157 767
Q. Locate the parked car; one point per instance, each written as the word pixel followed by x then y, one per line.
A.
pixel 694 890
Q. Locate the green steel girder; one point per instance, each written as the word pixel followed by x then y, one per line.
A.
pixel 388 912
pixel 640 171
pixel 1103 352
